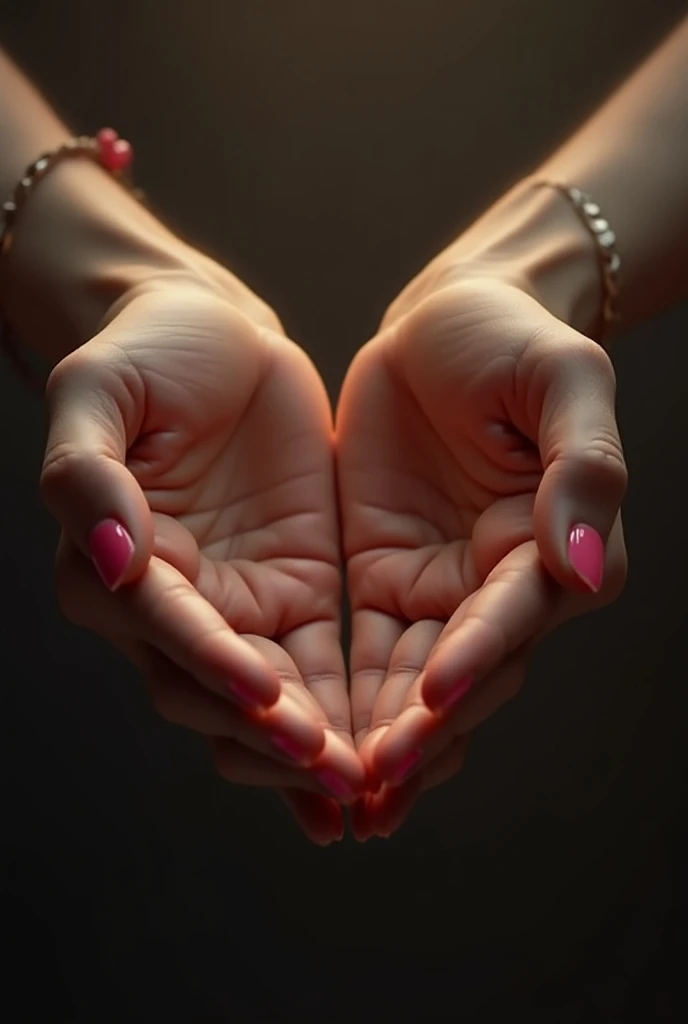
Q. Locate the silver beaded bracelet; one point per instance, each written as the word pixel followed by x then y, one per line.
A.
pixel 590 215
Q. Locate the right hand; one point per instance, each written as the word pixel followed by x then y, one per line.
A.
pixel 189 459
pixel 480 477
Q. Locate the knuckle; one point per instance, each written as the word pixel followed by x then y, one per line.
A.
pixel 74 366
pixel 383 723
pixel 63 463
pixel 602 463
pixel 591 354
pixel 58 375
pixel 548 346
pixel 265 315
pixel 175 602
pixel 339 726
pixel 492 635
pixel 572 360
pixel 604 451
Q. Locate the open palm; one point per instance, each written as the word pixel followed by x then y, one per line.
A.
pixel 226 444
pixel 454 497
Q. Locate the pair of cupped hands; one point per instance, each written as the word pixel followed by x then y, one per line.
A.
pixel 213 510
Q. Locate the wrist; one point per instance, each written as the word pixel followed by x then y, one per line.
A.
pixel 81 242
pixel 533 239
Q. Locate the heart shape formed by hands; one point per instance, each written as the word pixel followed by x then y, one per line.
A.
pixel 473 480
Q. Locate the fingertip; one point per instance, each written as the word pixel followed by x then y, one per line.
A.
pixel 394 806
pixel 324 841
pixel 359 817
pixel 404 767
pixel 372 778
pixel 338 769
pixel 367 749
pixel 112 551
pixel 255 700
pixel 248 698
pixel 398 753
pixel 100 506
pixel 319 817
pixel 585 552
pixel 338 786
pixel 443 696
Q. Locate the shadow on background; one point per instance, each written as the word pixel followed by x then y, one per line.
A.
pixel 326 151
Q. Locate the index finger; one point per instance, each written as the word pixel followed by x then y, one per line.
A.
pixel 166 611
pixel 510 609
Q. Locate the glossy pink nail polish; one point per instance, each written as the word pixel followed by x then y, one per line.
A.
pixel 289 747
pixel 245 696
pixel 586 555
pixel 337 786
pixel 111 550
pixel 451 697
pixel 405 767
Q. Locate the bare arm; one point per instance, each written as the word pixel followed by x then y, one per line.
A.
pixel 632 157
pixel 82 239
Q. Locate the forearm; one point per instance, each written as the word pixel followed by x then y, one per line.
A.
pixel 632 157
pixel 27 125
pixel 81 239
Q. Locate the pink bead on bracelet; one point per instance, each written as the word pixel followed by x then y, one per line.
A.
pixel 106 148
pixel 114 154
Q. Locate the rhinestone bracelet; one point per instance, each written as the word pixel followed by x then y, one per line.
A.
pixel 590 215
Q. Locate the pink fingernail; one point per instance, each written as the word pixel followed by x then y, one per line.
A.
pixel 337 786
pixel 586 555
pixel 457 691
pixel 289 747
pixel 245 696
pixel 405 767
pixel 111 549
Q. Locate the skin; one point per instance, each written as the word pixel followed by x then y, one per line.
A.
pixel 179 408
pixel 474 423
pixel 243 581
pixel 478 427
pixel 474 432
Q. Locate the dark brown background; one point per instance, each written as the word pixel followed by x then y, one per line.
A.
pixel 326 150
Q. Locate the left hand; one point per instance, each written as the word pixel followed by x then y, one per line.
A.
pixel 481 475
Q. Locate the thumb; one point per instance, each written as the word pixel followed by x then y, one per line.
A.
pixel 95 404
pixel 585 475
